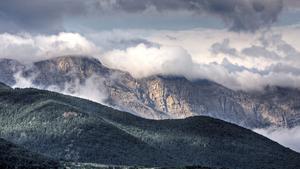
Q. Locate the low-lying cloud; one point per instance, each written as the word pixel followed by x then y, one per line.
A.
pixel 237 61
pixel 92 88
pixel 251 67
pixel 29 48
pixel 284 136
pixel 143 61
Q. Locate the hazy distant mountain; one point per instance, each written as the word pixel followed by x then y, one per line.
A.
pixel 73 129
pixel 161 97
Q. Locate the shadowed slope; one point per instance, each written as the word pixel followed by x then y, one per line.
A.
pixel 14 157
pixel 74 129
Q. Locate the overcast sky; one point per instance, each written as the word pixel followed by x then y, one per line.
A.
pixel 52 16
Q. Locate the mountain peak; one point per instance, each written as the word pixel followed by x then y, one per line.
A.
pixel 68 63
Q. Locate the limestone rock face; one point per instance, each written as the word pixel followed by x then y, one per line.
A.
pixel 161 97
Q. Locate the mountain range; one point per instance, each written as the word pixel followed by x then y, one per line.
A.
pixel 70 129
pixel 158 97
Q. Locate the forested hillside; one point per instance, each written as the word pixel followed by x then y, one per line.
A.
pixel 73 129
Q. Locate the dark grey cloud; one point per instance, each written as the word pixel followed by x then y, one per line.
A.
pixel 258 51
pixel 49 15
pixel 39 15
pixel 292 3
pixel 223 47
pixel 282 46
pixel 233 68
pixel 284 68
pixel 239 15
pixel 274 68
pixel 276 41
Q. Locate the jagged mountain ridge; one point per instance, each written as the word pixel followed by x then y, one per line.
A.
pixel 73 129
pixel 161 97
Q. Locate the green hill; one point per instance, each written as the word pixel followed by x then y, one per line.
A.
pixel 77 130
pixel 14 157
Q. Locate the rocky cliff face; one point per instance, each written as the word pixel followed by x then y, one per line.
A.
pixel 160 97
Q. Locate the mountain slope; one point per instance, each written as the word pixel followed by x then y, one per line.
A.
pixel 14 157
pixel 161 97
pixel 69 128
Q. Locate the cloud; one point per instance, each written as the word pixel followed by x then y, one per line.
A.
pixel 52 16
pixel 35 15
pixel 93 88
pixel 289 137
pixel 283 68
pixel 142 61
pixel 22 82
pixel 294 4
pixel 48 16
pixel 29 48
pixel 239 62
pixel 241 15
pixel 258 51
pixel 223 47
pixel 218 55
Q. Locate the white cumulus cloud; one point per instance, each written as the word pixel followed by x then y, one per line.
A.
pixel 142 61
pixel 28 48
